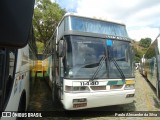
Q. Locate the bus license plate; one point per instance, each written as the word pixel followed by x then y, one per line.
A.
pixel 89 83
pixel 79 105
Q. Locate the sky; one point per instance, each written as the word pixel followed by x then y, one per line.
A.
pixel 141 17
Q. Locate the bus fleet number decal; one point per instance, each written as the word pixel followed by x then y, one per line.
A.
pixel 89 83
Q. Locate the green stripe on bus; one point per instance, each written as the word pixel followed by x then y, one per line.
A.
pixel 118 82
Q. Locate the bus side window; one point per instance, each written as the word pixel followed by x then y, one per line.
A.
pixel 58 56
pixel 62 57
pixel 11 67
pixel 1 77
pixel 11 62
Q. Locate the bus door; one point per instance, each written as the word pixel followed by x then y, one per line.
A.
pixel 7 69
pixel 61 65
pixel 2 78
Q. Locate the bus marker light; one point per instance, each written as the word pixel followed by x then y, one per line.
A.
pixel 129 95
pixel 130 82
pixel 79 100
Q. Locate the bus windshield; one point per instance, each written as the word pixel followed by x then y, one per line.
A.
pixel 85 53
pixel 94 26
pixel 118 51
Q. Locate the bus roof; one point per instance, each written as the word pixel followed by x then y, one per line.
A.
pixel 108 30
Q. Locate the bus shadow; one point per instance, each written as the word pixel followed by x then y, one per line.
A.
pixel 41 101
pixel 107 111
pixel 155 99
pixel 156 103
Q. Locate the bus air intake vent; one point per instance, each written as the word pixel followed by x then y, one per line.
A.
pixel 116 87
pixel 98 87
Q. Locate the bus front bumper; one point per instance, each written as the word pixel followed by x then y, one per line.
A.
pixel 75 101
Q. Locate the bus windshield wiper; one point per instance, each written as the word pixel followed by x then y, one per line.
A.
pixel 91 65
pixel 102 60
pixel 118 68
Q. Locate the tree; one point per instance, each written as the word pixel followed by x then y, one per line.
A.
pixel 138 50
pixel 46 17
pixel 145 42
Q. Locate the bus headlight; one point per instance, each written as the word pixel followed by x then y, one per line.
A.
pixel 79 100
pixel 76 88
pixel 129 86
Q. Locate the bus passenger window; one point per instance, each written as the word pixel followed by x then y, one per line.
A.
pixel 11 63
pixel 10 76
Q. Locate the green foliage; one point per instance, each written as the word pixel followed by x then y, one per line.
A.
pixel 145 42
pixel 40 46
pixel 137 55
pixel 151 51
pixel 139 51
pixel 140 48
pixel 137 59
pixel 46 17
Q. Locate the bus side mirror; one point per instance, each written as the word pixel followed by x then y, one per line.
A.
pixel 143 59
pixel 16 19
pixel 133 53
pixel 62 48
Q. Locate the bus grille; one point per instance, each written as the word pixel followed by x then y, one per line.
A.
pixel 116 87
pixel 112 87
pixel 98 87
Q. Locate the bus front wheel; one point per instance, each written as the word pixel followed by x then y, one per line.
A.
pixel 22 105
pixel 54 93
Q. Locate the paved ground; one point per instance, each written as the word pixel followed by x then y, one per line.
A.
pixel 145 100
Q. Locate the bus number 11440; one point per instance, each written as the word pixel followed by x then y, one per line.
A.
pixel 89 83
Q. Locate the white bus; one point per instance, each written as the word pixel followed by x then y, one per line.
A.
pixel 90 63
pixel 17 75
pixel 151 69
pixel 17 56
pixel 141 66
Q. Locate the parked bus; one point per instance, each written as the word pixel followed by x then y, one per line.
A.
pixel 17 68
pixel 152 64
pixel 90 63
pixel 17 56
pixel 141 66
pixel 39 67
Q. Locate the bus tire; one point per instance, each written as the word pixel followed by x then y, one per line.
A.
pixel 54 93
pixel 145 74
pixel 22 104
